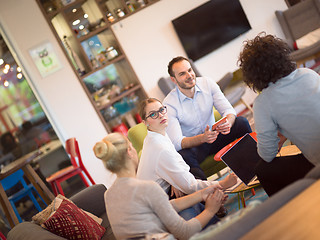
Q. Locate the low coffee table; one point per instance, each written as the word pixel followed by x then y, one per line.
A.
pixel 242 188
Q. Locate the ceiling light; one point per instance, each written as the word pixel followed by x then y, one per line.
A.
pixel 7 66
pixel 85 15
pixel 74 10
pixel 1 61
pixel 5 83
pixel 19 75
pixel 19 69
pixel 5 71
pixel 76 22
pixel 81 27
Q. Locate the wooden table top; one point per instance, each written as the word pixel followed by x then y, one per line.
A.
pixel 48 148
pixel 30 157
pixel 289 150
pixel 298 219
pixel 17 164
pixel 243 187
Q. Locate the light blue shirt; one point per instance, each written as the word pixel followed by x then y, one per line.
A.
pixel 189 116
pixel 291 106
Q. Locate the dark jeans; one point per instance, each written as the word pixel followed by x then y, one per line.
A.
pixel 281 172
pixel 194 211
pixel 196 155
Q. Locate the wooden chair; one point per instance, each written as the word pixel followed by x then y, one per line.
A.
pixel 77 168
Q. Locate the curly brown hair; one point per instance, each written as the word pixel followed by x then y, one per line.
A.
pixel 265 59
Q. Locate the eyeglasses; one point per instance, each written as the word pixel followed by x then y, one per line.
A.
pixel 155 114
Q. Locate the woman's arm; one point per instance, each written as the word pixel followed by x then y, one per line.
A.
pixel 173 169
pixel 213 197
pixel 213 203
pixel 229 181
pixel 187 201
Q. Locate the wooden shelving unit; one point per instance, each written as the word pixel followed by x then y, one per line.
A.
pixel 83 29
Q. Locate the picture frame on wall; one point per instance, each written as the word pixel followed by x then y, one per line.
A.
pixel 45 58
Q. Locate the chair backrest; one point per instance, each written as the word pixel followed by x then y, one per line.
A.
pixel 225 81
pixel 166 85
pixel 13 179
pixel 300 19
pixel 136 135
pixel 72 148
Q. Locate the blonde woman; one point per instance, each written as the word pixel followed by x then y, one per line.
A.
pixel 137 207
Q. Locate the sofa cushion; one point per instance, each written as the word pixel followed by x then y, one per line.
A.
pixel 308 39
pixel 210 232
pixel 71 222
pixel 42 216
pixel 237 229
pixel 31 231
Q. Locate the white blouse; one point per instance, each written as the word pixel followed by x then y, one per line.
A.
pixel 161 163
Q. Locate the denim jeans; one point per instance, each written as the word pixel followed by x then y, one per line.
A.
pixel 194 211
pixel 196 155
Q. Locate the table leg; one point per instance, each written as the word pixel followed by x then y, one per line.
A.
pixel 41 187
pixel 7 208
pixel 253 192
pixel 239 200
pixel 242 199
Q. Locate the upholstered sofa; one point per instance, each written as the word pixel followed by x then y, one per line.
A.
pixel 90 199
pixel 238 228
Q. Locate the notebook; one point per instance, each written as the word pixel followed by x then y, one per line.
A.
pixel 242 158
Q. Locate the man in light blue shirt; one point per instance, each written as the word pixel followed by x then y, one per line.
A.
pixel 190 110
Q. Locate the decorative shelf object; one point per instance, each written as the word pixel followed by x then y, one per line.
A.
pixel 83 29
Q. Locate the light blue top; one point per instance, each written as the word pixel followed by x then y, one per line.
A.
pixel 291 106
pixel 189 116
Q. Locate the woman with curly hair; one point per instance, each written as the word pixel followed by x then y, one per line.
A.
pixel 286 108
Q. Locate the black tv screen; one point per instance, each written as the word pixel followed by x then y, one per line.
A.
pixel 209 26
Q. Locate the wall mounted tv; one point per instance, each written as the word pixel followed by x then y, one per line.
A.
pixel 209 26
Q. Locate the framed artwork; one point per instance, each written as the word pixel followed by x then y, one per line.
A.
pixel 45 59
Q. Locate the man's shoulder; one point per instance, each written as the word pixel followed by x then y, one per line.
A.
pixel 205 81
pixel 171 98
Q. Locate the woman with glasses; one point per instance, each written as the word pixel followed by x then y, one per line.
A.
pixel 161 163
pixel 138 208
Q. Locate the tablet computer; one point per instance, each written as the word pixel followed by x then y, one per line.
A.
pixel 243 158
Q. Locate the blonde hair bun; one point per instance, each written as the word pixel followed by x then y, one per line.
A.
pixel 101 150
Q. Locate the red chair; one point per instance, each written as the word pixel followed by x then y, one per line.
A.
pixel 77 168
pixel 218 155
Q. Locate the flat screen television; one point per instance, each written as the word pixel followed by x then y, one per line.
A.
pixel 209 26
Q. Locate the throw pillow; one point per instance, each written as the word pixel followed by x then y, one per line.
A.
pixel 71 222
pixel 308 39
pixel 42 216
